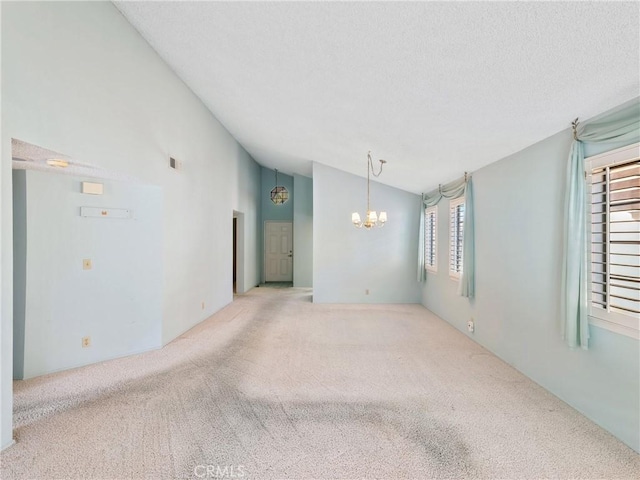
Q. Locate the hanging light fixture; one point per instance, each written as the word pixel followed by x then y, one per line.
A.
pixel 371 218
pixel 279 195
pixel 58 162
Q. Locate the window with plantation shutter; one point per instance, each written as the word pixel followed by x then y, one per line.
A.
pixel 456 229
pixel 430 239
pixel 615 240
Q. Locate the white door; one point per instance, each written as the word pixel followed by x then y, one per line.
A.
pixel 278 248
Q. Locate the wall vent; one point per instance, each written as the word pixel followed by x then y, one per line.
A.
pixel 175 164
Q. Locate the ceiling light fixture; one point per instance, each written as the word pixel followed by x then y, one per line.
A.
pixel 58 162
pixel 279 195
pixel 371 219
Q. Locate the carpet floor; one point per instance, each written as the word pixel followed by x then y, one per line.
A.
pixel 276 387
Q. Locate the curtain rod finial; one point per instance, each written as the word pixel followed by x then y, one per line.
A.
pixel 574 126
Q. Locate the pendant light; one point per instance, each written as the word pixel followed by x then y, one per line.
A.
pixel 279 195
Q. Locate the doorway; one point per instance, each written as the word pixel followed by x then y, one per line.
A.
pixel 237 242
pixel 235 252
pixel 278 251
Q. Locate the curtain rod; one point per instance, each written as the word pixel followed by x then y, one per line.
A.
pixel 466 178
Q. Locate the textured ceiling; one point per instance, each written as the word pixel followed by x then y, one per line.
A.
pixel 434 88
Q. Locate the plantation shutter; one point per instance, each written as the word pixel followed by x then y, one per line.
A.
pixel 430 228
pixel 456 225
pixel 615 238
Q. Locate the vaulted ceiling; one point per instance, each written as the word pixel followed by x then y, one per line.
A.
pixel 435 88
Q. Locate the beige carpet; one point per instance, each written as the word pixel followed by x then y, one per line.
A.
pixel 274 386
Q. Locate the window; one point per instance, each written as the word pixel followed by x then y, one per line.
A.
pixel 614 301
pixel 430 239
pixel 456 229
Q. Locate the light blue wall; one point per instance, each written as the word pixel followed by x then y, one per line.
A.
pixel 303 232
pixel 347 260
pixel 78 79
pixel 247 201
pixel 519 223
pixel 271 211
pixel 118 302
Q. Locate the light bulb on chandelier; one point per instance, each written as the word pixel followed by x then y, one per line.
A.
pixel 372 219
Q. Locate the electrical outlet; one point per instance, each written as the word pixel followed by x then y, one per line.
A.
pixel 86 264
pixel 471 326
pixel 86 342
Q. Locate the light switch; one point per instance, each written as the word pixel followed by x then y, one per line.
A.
pixel 86 264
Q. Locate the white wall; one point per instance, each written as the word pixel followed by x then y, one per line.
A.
pixel 302 231
pixel 6 279
pixel 346 260
pixel 78 79
pixel 519 226
pixel 117 303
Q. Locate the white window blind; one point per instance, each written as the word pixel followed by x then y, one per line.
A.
pixel 456 229
pixel 430 238
pixel 615 241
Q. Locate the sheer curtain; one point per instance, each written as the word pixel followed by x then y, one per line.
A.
pixel 622 126
pixel 455 189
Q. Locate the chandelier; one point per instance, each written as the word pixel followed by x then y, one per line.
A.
pixel 371 218
pixel 279 195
